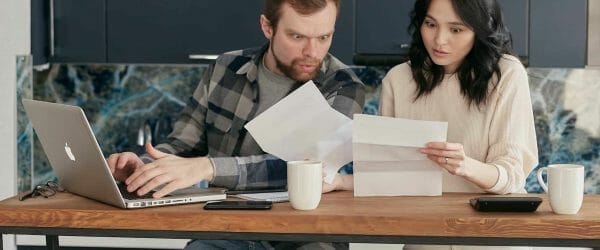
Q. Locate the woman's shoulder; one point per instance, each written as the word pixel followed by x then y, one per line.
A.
pixel 510 63
pixel 400 72
pixel 514 74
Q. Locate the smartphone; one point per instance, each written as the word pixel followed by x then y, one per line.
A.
pixel 239 205
pixel 505 204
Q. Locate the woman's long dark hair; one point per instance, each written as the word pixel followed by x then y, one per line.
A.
pixel 492 39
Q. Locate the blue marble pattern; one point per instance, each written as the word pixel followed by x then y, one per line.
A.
pixel 24 130
pixel 120 99
pixel 566 109
pixel 371 77
pixel 123 103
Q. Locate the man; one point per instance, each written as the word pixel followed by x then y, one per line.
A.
pixel 209 141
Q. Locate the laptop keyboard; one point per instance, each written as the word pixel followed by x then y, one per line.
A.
pixel 132 195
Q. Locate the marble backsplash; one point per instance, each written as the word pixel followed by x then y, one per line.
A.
pixel 25 151
pixel 129 104
pixel 126 106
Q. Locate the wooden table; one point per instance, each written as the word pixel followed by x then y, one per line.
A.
pixel 340 217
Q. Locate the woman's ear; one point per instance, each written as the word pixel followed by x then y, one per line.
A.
pixel 266 27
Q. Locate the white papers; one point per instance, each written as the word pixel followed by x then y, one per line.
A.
pixel 302 126
pixel 387 160
pixel 274 197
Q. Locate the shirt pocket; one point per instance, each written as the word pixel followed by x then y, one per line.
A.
pixel 218 123
pixel 218 138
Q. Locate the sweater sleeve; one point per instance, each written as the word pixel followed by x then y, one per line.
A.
pixel 513 144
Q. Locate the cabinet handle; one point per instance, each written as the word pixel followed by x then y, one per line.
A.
pixel 402 45
pixel 51 30
pixel 203 57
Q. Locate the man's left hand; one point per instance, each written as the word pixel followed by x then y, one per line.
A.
pixel 340 182
pixel 172 171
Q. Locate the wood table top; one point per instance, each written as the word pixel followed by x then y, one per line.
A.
pixel 449 215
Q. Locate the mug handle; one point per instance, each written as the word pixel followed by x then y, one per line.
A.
pixel 541 180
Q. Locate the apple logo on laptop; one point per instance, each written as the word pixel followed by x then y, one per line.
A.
pixel 69 153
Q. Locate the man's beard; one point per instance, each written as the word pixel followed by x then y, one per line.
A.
pixel 293 70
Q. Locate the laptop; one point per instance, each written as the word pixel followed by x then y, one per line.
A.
pixel 79 164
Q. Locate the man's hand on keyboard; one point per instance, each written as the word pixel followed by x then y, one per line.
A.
pixel 173 171
pixel 122 165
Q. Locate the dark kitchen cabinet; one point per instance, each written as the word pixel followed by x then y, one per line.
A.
pixel 79 31
pixel 342 45
pixel 382 29
pixel 158 31
pixel 558 33
pixel 155 31
pixel 546 33
pixel 40 31
pixel 382 26
pixel 516 18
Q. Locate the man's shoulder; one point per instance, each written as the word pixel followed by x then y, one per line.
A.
pixel 237 58
pixel 339 70
pixel 334 64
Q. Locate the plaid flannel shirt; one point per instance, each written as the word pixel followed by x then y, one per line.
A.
pixel 212 123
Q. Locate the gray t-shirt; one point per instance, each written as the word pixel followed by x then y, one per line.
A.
pixel 271 87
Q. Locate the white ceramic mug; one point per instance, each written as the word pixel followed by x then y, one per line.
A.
pixel 565 187
pixel 304 184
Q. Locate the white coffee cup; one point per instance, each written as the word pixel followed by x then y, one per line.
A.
pixel 565 187
pixel 304 184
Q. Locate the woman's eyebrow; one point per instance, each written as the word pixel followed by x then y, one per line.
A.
pixel 452 23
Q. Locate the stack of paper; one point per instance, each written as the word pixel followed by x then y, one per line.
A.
pixel 387 161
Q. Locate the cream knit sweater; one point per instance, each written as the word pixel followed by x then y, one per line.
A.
pixel 501 134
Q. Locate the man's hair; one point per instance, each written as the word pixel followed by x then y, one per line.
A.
pixel 272 8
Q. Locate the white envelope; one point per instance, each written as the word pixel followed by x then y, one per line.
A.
pixel 387 161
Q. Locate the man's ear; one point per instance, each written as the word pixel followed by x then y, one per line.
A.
pixel 266 27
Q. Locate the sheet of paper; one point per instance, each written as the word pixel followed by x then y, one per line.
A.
pixel 387 160
pixel 392 131
pixel 409 178
pixel 303 126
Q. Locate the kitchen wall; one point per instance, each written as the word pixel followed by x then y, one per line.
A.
pixel 120 100
pixel 14 40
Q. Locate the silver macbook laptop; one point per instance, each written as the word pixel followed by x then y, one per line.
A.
pixel 77 160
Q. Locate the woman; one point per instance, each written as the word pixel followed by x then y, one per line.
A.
pixel 461 71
